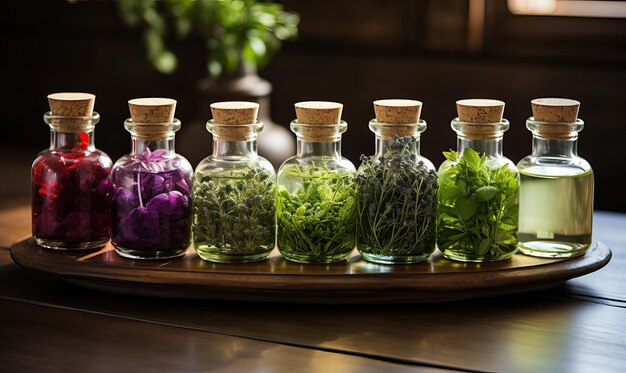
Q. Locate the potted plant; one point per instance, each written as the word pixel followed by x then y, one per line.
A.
pixel 239 38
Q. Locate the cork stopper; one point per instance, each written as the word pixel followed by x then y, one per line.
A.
pixel 556 116
pixel 234 112
pixel 152 116
pixel 479 116
pixel 71 111
pixel 234 120
pixel 398 116
pixel 480 110
pixel 313 116
pixel 555 110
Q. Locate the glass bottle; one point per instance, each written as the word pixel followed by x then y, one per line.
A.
pixel 71 191
pixel 316 197
pixel 396 189
pixel 151 206
pixel 556 190
pixel 234 218
pixel 478 198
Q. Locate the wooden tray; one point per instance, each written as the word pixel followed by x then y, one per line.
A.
pixel 277 280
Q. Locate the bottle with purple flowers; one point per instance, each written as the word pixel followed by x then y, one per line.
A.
pixel 234 218
pixel 151 208
pixel 71 191
pixel 396 189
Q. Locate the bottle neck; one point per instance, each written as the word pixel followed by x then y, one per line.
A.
pixel 306 148
pixel 491 147
pixel 71 141
pixel 140 145
pixel 544 147
pixel 384 145
pixel 234 148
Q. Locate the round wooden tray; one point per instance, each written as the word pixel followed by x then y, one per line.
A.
pixel 277 280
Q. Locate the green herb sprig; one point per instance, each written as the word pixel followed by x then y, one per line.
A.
pixel 397 202
pixel 478 207
pixel 317 222
pixel 235 215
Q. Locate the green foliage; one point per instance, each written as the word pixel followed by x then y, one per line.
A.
pixel 234 215
pixel 397 202
pixel 233 32
pixel 477 207
pixel 318 221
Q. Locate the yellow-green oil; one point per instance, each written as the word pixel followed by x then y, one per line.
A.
pixel 556 211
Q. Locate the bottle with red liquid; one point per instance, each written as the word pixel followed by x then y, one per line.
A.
pixel 151 207
pixel 71 191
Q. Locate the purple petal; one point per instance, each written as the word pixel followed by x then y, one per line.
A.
pixel 182 186
pixel 140 227
pixel 156 155
pixel 160 204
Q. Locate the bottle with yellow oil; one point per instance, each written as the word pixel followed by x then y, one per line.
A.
pixel 556 187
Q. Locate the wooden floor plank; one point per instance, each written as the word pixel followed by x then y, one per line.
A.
pixel 38 338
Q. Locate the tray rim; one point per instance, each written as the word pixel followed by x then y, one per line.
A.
pixel 491 279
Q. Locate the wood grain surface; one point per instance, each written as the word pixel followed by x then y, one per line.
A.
pixel 14 225
pixel 97 340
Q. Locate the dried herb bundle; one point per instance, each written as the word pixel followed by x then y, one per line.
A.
pixel 397 204
pixel 234 213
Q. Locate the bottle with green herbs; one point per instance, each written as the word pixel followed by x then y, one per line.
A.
pixel 316 197
pixel 478 198
pixel 396 189
pixel 556 190
pixel 234 214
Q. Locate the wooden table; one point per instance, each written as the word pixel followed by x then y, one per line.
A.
pixel 47 324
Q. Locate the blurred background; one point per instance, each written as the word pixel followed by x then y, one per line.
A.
pixel 350 51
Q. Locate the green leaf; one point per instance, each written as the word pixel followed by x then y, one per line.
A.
pixel 462 187
pixel 449 193
pixel 487 192
pixel 300 211
pixel 485 244
pixel 471 158
pixel 503 236
pixel 509 221
pixel 465 207
pixel 451 155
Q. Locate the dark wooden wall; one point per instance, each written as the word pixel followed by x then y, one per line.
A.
pixel 350 51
